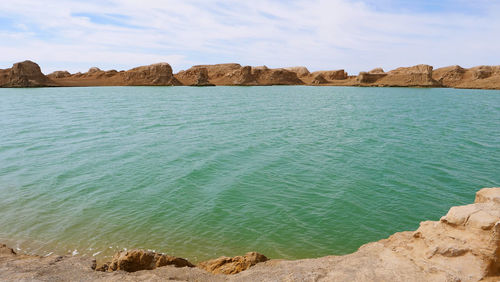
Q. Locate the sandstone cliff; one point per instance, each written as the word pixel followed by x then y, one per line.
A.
pixel 24 74
pixel 481 77
pixel 237 75
pixel 28 74
pixel 464 245
pixel 153 75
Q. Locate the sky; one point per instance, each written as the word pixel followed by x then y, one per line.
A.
pixel 354 35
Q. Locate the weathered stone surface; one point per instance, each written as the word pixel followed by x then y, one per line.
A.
pixel 194 76
pixel 136 260
pixel 368 77
pixel 331 74
pixel 24 74
pixel 319 79
pixel 58 74
pixel 232 265
pixel 299 70
pixel 6 251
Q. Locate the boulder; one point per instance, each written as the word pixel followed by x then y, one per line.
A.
pixel 232 265
pixel 135 260
pixel 6 251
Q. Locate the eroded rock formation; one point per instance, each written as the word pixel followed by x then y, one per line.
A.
pixel 152 75
pixel 24 74
pixel 135 260
pixel 232 265
pixel 28 74
pixel 481 77
pixel 194 77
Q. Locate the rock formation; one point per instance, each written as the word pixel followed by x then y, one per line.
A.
pixel 300 71
pixel 481 77
pixel 194 77
pixel 319 79
pixel 416 76
pixel 24 74
pixel 228 265
pixel 332 75
pixel 152 75
pixel 135 260
pixel 28 74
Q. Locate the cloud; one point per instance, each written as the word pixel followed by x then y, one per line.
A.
pixel 355 35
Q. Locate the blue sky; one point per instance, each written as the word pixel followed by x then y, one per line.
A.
pixel 320 34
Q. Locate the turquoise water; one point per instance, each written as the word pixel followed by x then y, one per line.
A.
pixel 291 172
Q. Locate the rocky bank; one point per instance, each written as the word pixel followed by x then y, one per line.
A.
pixel 464 245
pixel 28 74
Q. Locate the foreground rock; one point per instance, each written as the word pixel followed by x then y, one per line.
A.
pixel 228 265
pixel 463 246
pixel 135 260
pixel 24 74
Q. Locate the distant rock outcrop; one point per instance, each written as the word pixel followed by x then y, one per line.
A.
pixel 332 74
pixel 28 74
pixel 194 77
pixel 24 74
pixel 481 77
pixel 232 265
pixel 58 74
pixel 152 75
pixel 319 79
pixel 300 71
pixel 235 74
pixel 416 76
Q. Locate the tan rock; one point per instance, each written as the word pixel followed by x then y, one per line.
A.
pixel 59 74
pixel 194 76
pixel 332 74
pixel 369 77
pixel 232 265
pixel 6 251
pixel 488 195
pixel 299 70
pixel 136 260
pixel 319 79
pixel 24 74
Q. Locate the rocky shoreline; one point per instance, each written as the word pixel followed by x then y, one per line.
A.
pixel 464 245
pixel 29 74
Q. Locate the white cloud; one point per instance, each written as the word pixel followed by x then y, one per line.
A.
pixel 320 34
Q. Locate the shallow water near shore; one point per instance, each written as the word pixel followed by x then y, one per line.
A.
pixel 288 171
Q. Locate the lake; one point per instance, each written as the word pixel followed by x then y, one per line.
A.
pixel 288 171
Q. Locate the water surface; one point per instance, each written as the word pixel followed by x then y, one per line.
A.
pixel 291 172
